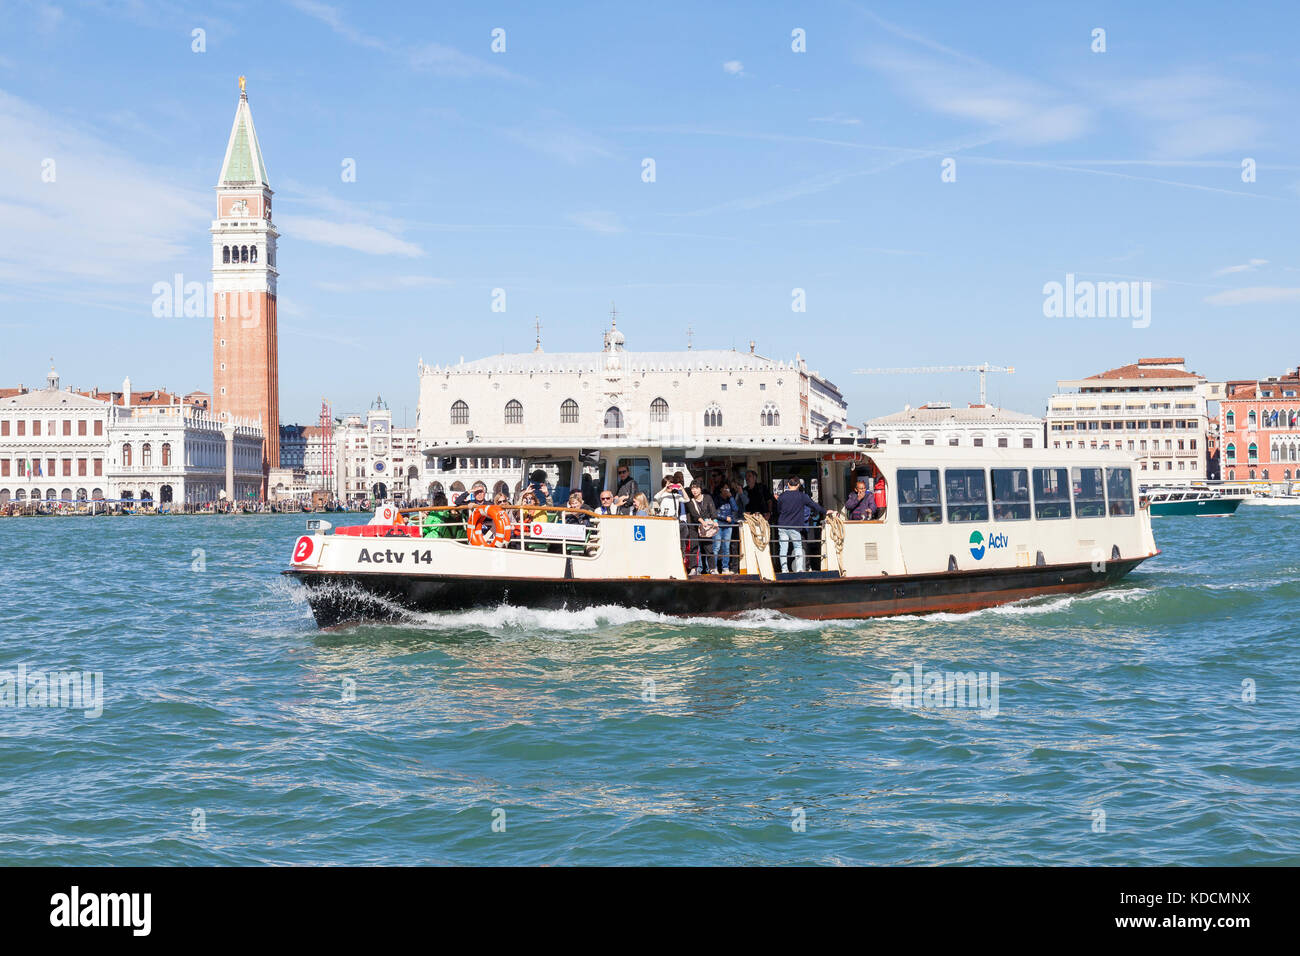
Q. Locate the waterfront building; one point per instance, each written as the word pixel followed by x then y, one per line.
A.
pixel 54 445
pixel 375 460
pixel 1259 421
pixel 704 396
pixel 975 426
pixel 245 357
pixel 153 447
pixel 1155 409
pixel 166 451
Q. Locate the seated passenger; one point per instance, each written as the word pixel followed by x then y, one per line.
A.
pixel 640 505
pixel 861 505
pixel 438 524
pixel 537 485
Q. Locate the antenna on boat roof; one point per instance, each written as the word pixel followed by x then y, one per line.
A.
pixel 690 338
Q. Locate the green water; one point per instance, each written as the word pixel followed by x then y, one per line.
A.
pixel 233 731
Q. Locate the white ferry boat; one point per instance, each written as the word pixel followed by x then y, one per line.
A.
pixel 961 529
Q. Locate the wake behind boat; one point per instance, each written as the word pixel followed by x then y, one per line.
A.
pixel 958 530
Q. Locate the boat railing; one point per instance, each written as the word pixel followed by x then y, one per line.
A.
pixel 475 523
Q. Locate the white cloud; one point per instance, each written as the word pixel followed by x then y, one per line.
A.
pixel 559 141
pixel 1020 110
pixel 734 67
pixel 105 222
pixel 839 119
pixel 444 61
pixel 333 18
pixel 349 235
pixel 1250 266
pixel 382 284
pixel 598 221
pixel 436 58
pixel 1255 295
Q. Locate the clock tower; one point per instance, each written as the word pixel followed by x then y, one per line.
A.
pixel 245 360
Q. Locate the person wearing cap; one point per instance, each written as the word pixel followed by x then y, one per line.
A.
pixel 537 484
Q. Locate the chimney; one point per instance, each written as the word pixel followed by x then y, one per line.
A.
pixel 126 391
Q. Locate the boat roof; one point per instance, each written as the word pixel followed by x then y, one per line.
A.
pixel 680 450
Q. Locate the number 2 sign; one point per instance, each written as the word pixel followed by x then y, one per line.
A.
pixel 303 548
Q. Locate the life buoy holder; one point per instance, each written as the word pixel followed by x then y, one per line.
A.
pixel 502 528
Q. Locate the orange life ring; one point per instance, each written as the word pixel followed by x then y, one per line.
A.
pixel 502 528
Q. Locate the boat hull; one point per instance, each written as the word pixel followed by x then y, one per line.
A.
pixel 1217 507
pixel 342 597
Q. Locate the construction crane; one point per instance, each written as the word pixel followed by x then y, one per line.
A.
pixel 983 369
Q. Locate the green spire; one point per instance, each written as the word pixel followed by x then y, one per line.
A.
pixel 243 163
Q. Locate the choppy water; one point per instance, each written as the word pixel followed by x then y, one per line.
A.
pixel 225 736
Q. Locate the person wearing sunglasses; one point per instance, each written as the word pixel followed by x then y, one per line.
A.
pixel 625 490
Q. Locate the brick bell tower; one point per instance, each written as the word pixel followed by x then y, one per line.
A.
pixel 245 358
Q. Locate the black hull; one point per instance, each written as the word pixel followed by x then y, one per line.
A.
pixel 338 598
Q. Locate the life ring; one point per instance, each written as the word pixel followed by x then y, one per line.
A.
pixel 502 528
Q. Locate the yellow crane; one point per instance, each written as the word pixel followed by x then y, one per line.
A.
pixel 983 369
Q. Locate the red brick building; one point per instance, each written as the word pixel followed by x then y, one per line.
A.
pixel 1259 424
pixel 245 356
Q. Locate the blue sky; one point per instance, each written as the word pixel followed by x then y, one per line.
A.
pixel 774 170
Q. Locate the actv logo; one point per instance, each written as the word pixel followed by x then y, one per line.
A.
pixel 977 546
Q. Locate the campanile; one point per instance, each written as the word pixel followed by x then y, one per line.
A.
pixel 245 360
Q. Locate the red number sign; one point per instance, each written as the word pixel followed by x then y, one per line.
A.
pixel 302 549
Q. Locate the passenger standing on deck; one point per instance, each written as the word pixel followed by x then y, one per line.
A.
pixel 760 497
pixel 790 511
pixel 728 517
pixel 625 490
pixel 702 519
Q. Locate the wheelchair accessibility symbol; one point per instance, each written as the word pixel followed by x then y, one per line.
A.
pixel 638 532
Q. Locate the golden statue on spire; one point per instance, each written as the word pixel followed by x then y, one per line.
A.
pixel 241 84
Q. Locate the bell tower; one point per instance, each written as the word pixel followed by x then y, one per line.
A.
pixel 245 358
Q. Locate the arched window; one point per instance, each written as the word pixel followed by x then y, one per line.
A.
pixel 1231 452
pixel 568 412
pixel 713 417
pixel 659 410
pixel 613 417
pixel 252 253
pixel 514 412
pixel 459 413
pixel 1252 453
pixel 1232 420
pixel 1287 474
pixel 225 254
pixel 1232 475
pixel 1250 418
pixel 146 455
pixel 1265 474
pixel 243 253
pixel 126 455
pixel 769 415
pixel 166 454
pixel 1252 474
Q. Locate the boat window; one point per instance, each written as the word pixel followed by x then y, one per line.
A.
pixel 593 479
pixel 640 471
pixel 556 476
pixel 1051 493
pixel 1089 498
pixel 1011 494
pixel 968 494
pixel 1119 488
pixel 918 496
